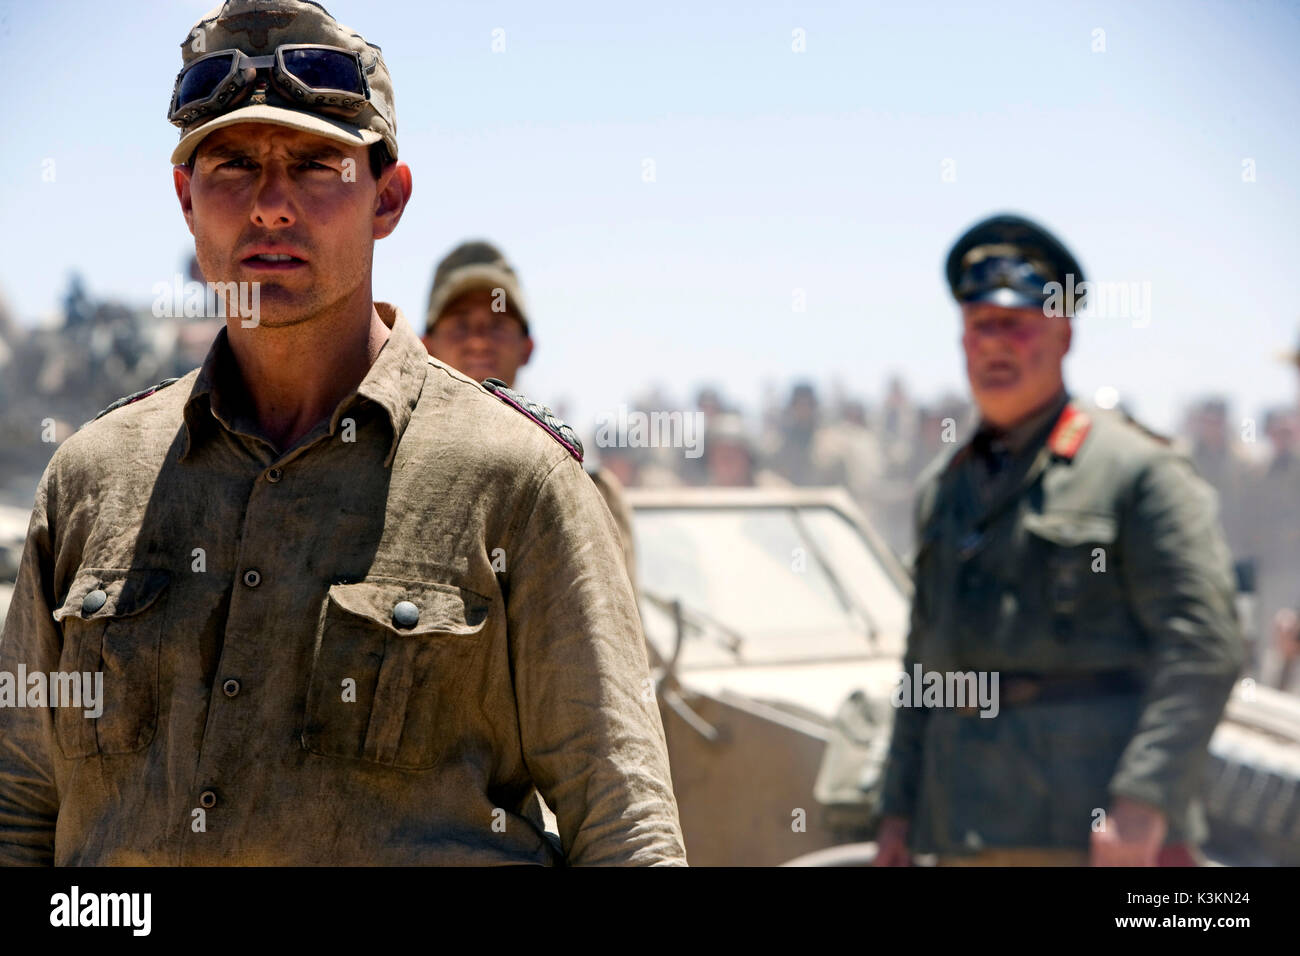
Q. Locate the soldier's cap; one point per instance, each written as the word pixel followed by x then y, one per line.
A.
pixel 471 266
pixel 1009 260
pixel 729 428
pixel 257 27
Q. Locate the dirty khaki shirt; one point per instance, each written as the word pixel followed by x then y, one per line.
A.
pixel 376 647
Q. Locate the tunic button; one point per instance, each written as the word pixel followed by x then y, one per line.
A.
pixel 252 577
pixel 93 601
pixel 405 614
pixel 207 799
pixel 230 687
pixel 274 475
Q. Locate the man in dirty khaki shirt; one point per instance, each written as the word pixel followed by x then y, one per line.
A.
pixel 349 607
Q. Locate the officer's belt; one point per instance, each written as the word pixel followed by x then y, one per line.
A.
pixel 1017 689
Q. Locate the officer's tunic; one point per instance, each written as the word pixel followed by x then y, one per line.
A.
pixel 1080 559
pixel 374 647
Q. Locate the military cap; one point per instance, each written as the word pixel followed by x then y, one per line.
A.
pixel 257 28
pixel 474 265
pixel 1009 260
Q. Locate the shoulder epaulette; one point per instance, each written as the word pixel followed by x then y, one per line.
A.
pixel 1155 436
pixel 554 425
pixel 135 397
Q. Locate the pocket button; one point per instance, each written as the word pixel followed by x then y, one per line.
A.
pixel 93 601
pixel 405 615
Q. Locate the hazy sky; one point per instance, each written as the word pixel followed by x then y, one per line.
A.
pixel 774 171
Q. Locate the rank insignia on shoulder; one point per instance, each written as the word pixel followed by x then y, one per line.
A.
pixel 554 425
pixel 1070 431
pixel 135 397
pixel 1153 435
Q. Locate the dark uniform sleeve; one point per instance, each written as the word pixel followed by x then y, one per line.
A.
pixel 588 719
pixel 903 767
pixel 1179 578
pixel 29 803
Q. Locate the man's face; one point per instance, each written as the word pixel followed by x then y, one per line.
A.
pixel 259 192
pixel 729 465
pixel 1013 358
pixel 1211 429
pixel 471 337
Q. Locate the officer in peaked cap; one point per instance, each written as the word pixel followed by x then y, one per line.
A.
pixel 1078 559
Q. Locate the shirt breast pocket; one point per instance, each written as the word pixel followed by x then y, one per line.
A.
pixel 112 622
pixel 387 669
pixel 1073 554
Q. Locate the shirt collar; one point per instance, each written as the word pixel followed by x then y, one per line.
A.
pixel 1019 436
pixel 393 382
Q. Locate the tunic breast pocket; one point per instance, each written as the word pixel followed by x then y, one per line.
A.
pixel 112 623
pixel 1073 554
pixel 387 670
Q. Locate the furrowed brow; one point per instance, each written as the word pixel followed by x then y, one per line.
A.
pixel 317 153
pixel 224 151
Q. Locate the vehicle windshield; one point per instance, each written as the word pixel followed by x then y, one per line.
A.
pixel 765 585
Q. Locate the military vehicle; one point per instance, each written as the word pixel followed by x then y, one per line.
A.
pixel 776 622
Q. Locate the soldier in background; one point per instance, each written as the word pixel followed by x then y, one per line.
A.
pixel 1217 456
pixel 477 322
pixel 1077 558
pixel 791 448
pixel 731 459
pixel 1275 541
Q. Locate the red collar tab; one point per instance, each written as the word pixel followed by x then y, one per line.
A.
pixel 1069 431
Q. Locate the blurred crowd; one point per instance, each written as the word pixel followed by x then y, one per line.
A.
pixel 875 447
pixel 876 450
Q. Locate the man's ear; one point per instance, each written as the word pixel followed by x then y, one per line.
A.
pixel 181 180
pixel 528 351
pixel 394 192
pixel 1069 335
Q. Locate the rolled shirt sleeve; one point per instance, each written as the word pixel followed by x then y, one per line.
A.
pixel 589 722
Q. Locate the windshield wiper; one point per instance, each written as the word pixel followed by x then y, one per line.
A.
pixel 848 602
pixel 696 620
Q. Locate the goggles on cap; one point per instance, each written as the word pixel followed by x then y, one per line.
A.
pixel 314 76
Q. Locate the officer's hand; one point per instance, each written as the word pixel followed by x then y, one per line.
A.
pixel 891 843
pixel 1286 633
pixel 1133 835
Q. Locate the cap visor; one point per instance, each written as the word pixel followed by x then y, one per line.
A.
pixel 338 130
pixel 475 278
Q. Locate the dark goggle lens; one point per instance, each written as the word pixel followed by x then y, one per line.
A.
pixel 325 70
pixel 202 79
